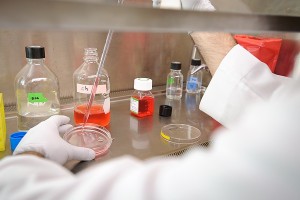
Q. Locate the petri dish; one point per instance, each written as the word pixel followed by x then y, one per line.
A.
pixel 91 136
pixel 180 133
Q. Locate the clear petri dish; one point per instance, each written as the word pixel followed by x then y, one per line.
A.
pixel 91 136
pixel 180 133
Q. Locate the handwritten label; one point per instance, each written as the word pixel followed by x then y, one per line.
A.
pixel 171 80
pixel 87 89
pixel 192 83
pixel 36 98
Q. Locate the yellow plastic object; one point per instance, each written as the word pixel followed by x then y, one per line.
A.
pixel 2 124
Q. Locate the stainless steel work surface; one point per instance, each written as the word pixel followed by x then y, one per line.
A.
pixel 140 137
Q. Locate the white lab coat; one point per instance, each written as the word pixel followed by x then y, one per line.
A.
pixel 256 159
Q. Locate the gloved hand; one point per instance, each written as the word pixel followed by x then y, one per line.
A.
pixel 185 4
pixel 45 139
pixel 204 5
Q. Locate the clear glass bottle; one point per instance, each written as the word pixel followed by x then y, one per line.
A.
pixel 83 81
pixel 142 100
pixel 194 81
pixel 174 82
pixel 37 90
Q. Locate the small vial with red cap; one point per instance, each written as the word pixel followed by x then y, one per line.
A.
pixel 142 100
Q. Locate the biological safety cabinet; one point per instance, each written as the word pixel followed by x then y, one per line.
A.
pixel 145 41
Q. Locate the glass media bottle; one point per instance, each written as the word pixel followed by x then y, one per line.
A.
pixel 83 79
pixel 194 81
pixel 174 82
pixel 142 100
pixel 37 90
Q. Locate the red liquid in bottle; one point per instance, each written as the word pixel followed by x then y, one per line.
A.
pixel 146 106
pixel 97 115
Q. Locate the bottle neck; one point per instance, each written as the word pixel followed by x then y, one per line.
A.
pixel 89 59
pixel 174 70
pixel 145 91
pixel 39 61
pixel 192 67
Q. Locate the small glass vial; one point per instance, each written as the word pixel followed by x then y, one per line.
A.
pixel 174 82
pixel 83 81
pixel 37 90
pixel 142 100
pixel 194 81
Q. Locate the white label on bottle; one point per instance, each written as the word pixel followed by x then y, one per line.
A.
pixel 134 105
pixel 106 105
pixel 35 104
pixel 87 89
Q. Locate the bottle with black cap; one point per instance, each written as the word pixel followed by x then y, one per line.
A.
pixel 37 90
pixel 194 80
pixel 174 82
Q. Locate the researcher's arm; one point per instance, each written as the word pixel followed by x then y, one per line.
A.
pixel 239 78
pixel 213 47
pixel 238 81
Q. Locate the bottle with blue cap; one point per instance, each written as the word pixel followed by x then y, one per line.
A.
pixel 36 89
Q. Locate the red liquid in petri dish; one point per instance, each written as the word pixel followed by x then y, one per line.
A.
pixel 146 106
pixel 97 115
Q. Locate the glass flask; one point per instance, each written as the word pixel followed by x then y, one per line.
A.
pixel 37 90
pixel 174 82
pixel 83 81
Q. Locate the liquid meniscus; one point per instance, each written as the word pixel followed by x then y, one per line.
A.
pixel 97 115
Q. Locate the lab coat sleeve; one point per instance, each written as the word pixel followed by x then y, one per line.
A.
pixel 240 81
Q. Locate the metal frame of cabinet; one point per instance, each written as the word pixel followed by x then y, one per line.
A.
pixel 46 15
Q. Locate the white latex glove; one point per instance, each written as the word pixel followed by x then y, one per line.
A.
pixel 197 5
pixel 45 139
pixel 185 4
